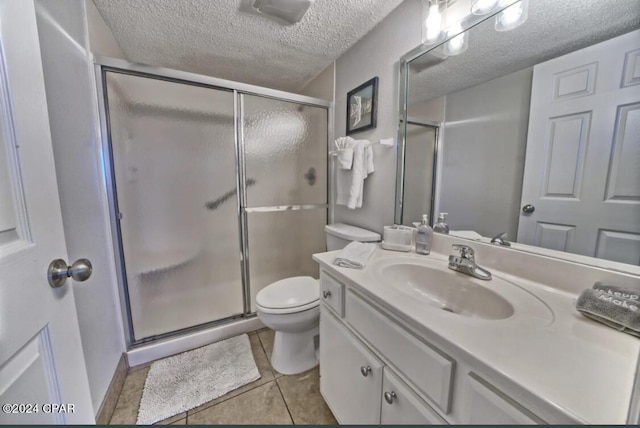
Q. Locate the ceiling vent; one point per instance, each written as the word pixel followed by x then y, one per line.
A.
pixel 286 12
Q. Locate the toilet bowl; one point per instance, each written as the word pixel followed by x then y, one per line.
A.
pixel 291 307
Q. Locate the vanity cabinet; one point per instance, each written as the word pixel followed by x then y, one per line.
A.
pixel 488 405
pixel 358 387
pixel 350 375
pixel 374 369
pixel 400 405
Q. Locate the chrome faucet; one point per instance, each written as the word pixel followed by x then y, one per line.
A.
pixel 466 263
pixel 501 239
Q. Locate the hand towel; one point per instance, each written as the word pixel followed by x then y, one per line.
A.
pixel 616 291
pixel 344 146
pixel 354 255
pixel 350 184
pixel 620 314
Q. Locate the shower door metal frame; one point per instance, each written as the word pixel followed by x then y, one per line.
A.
pixel 102 65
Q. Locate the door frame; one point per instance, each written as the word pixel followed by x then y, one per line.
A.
pixel 102 65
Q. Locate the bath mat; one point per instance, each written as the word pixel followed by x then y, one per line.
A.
pixel 184 381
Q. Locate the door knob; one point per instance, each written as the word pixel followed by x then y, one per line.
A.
pixel 528 209
pixel 365 370
pixel 326 294
pixel 58 271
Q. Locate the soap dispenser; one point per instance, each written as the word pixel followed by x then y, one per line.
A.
pixel 441 226
pixel 424 237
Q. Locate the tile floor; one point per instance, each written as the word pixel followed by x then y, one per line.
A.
pixel 272 399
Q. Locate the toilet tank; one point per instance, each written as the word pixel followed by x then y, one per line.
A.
pixel 340 234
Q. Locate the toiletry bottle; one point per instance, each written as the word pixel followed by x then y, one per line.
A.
pixel 424 237
pixel 441 226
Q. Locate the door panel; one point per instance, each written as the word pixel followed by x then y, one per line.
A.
pixel 582 170
pixel 352 397
pixel 27 382
pixel 41 359
pixel 174 163
pixel 281 244
pixel 406 408
pixel 624 170
pixel 565 154
pixel 285 147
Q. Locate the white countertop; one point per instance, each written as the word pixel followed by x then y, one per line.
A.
pixel 582 368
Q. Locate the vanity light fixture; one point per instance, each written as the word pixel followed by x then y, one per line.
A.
pixel 432 28
pixel 512 16
pixel 482 7
pixel 458 44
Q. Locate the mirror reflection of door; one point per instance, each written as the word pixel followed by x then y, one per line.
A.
pixel 420 154
pixel 582 168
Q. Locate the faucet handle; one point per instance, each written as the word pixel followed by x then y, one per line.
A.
pixel 466 252
pixel 501 239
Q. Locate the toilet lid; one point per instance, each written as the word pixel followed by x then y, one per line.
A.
pixel 289 293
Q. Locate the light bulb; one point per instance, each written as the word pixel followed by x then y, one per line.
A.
pixel 512 16
pixel 433 23
pixel 481 7
pixel 458 44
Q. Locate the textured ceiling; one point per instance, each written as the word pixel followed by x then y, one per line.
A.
pixel 211 37
pixel 554 28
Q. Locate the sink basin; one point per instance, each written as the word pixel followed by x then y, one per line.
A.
pixel 450 291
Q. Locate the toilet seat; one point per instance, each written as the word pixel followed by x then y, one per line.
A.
pixel 289 295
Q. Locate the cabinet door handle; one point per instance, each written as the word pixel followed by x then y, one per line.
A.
pixel 365 370
pixel 326 294
pixel 390 396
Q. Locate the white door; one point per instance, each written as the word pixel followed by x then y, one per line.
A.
pixel 43 379
pixel 582 170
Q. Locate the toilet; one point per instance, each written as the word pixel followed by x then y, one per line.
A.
pixel 291 307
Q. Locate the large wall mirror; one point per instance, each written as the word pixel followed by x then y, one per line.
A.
pixel 534 132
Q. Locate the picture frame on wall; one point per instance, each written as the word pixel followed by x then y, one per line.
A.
pixel 362 107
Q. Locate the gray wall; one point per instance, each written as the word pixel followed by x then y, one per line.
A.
pixel 477 197
pixel 321 86
pixel 71 101
pixel 377 54
pixel 101 38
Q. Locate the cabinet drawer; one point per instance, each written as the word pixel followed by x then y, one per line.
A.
pixel 405 406
pixel 332 293
pixel 487 405
pixel 429 370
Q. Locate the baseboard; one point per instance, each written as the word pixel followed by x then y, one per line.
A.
pixel 113 392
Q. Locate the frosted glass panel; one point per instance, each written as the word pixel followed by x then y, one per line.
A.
pixel 281 244
pixel 174 162
pixel 285 152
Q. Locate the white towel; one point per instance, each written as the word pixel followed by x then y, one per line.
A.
pixel 345 158
pixel 344 146
pixel 354 255
pixel 350 183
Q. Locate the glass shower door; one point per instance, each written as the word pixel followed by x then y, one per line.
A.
pixel 285 161
pixel 174 166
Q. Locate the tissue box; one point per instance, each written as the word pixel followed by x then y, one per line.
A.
pixel 397 238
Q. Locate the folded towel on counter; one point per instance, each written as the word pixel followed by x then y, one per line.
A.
pixel 350 184
pixel 615 312
pixel 344 146
pixel 354 255
pixel 617 291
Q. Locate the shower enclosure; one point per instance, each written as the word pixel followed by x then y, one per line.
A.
pixel 216 189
